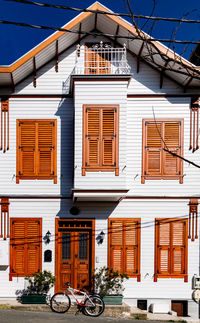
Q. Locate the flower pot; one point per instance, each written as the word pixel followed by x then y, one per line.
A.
pixel 113 299
pixel 34 299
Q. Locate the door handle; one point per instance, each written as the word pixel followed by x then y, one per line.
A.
pixel 76 256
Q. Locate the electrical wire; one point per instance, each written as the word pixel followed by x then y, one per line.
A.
pixel 104 12
pixel 147 40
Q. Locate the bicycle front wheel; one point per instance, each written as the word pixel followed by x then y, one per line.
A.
pixel 60 303
pixel 94 306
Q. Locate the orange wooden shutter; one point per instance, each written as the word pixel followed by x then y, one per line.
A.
pixel 92 137
pixel 131 247
pixel 46 148
pixel 90 61
pixel 109 137
pixel 172 141
pixel 178 247
pixel 171 249
pixel 153 148
pixel 104 64
pixel 33 247
pixel 163 247
pixel 25 252
pixel 18 247
pixel 116 245
pixel 36 156
pixel 26 148
pixel 124 246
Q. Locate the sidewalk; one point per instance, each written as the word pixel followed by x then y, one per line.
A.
pixel 124 310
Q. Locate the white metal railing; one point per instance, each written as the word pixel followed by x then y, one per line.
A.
pixel 101 59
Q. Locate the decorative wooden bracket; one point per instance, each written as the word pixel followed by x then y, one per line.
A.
pixel 95 21
pixel 5 225
pixel 12 81
pixel 4 124
pixel 79 33
pixel 193 220
pixel 162 72
pixel 34 72
pixel 138 57
pixel 56 56
pixel 116 34
pixel 194 124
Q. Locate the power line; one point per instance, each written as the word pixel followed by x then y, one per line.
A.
pixel 104 12
pixel 147 40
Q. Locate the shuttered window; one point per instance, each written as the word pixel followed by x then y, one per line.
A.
pixel 25 247
pixel 124 246
pixel 36 149
pixel 97 59
pixel 171 248
pixel 100 139
pixel 158 163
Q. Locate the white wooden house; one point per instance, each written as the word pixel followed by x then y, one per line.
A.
pixel 84 123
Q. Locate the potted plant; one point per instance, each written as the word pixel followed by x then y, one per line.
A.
pixel 109 285
pixel 39 285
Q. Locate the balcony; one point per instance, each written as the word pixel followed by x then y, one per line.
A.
pixel 101 59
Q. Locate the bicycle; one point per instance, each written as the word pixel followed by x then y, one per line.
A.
pixel 91 305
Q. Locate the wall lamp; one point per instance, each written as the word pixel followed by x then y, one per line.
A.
pixel 48 236
pixel 100 237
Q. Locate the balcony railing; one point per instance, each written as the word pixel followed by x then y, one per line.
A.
pixel 101 59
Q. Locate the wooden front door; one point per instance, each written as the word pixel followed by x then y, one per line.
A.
pixel 73 254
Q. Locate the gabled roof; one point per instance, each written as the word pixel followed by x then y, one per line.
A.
pixel 184 72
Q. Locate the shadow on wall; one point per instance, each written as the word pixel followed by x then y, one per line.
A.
pixel 65 112
pixel 97 210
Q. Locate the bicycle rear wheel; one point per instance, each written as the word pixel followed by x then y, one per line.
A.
pixel 94 306
pixel 60 303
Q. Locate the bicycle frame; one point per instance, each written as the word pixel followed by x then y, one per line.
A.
pixel 72 291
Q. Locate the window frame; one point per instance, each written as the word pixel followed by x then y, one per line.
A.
pixel 39 177
pixel 163 177
pixel 100 168
pixel 138 244
pixel 156 260
pixel 13 274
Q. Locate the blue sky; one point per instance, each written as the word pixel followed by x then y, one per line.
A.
pixel 16 41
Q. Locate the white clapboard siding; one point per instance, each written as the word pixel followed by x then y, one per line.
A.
pixel 139 109
pixel 49 108
pixel 147 210
pixel 111 93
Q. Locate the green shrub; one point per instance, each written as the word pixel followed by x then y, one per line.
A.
pixel 40 283
pixel 108 282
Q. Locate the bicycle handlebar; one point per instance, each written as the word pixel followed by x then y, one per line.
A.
pixel 67 284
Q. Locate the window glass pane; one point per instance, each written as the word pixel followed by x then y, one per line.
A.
pixel 83 241
pixel 66 250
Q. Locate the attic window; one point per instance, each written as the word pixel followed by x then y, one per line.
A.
pixel 98 58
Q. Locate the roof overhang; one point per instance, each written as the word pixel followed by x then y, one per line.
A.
pixel 81 195
pixel 168 63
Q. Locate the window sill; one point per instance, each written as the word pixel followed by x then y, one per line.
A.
pixel 100 169
pixel 11 275
pixel 185 276
pixel 167 177
pixel 18 178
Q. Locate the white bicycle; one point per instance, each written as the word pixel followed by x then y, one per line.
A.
pixel 91 305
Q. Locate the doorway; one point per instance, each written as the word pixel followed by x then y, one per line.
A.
pixel 74 253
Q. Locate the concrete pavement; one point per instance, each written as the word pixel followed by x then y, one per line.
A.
pixel 13 316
